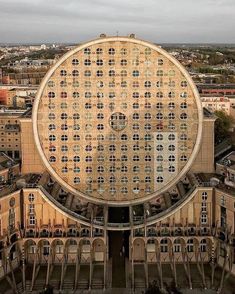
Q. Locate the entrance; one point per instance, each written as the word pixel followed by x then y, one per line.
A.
pixel 118 251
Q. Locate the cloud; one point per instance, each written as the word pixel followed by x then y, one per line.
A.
pixel 78 20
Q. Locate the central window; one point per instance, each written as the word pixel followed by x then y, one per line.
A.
pixel 118 121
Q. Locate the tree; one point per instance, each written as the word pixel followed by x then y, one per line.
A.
pixel 222 125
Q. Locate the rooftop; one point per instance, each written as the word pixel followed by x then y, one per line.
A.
pixel 6 161
pixel 208 114
pixel 228 160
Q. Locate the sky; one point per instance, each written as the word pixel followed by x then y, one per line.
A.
pixel 160 21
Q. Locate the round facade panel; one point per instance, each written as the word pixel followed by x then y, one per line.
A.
pixel 117 120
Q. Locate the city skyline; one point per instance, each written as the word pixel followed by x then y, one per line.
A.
pixel 180 21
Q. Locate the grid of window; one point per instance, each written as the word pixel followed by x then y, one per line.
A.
pixel 110 105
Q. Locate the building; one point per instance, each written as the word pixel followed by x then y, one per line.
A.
pixel 10 132
pixel 217 104
pixel 219 89
pixel 117 187
pixel 17 96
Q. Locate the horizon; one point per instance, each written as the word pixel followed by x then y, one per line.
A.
pixel 78 43
pixel 180 21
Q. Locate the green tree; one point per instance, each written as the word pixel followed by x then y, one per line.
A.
pixel 222 125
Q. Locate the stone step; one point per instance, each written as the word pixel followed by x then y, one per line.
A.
pixel 97 284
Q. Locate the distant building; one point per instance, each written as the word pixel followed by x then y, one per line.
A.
pixel 216 103
pixel 218 89
pixel 10 96
pixel 10 135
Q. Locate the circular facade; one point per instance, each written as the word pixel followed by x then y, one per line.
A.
pixel 117 120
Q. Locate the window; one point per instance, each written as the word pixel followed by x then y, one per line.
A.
pixel 148 158
pixel 159 137
pixel 64 169
pixel 160 179
pixel 100 169
pixel 136 147
pixel 124 190
pixel 171 105
pixel 190 245
pixel 100 127
pixel 76 158
pixel 100 180
pixel 136 137
pixel 147 116
pixel 76 137
pixel 164 245
pixel 99 51
pixel 99 73
pixel 147 84
pixel 31 197
pixel 177 245
pixel 184 95
pixel 183 137
pixel 160 61
pixel 159 169
pixel 111 51
pixel 171 158
pixel 171 137
pixel 63 105
pixel 88 159
pixel 159 73
pixel 31 208
pixel 87 73
pixel 123 51
pixel 159 95
pixel 76 169
pixel 99 62
pixel 124 148
pixel 159 116
pixel 51 116
pixel 112 73
pixel 183 105
pixel 64 148
pixel 135 73
pixel 51 127
pixel 51 95
pixel 204 207
pixel 183 158
pixel 32 220
pixel 171 147
pixel 64 158
pixel 52 159
pixel 76 180
pixel 111 62
pixel 64 116
pixel 88 169
pixel 123 62
pixel 75 61
pixel 203 218
pixel 171 169
pixel 52 148
pixel 222 200
pixel 87 62
pixel 75 73
pixel 52 138
pixel 203 245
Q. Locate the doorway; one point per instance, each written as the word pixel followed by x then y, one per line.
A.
pixel 119 251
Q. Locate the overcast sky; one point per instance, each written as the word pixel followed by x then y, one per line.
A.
pixel 154 20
